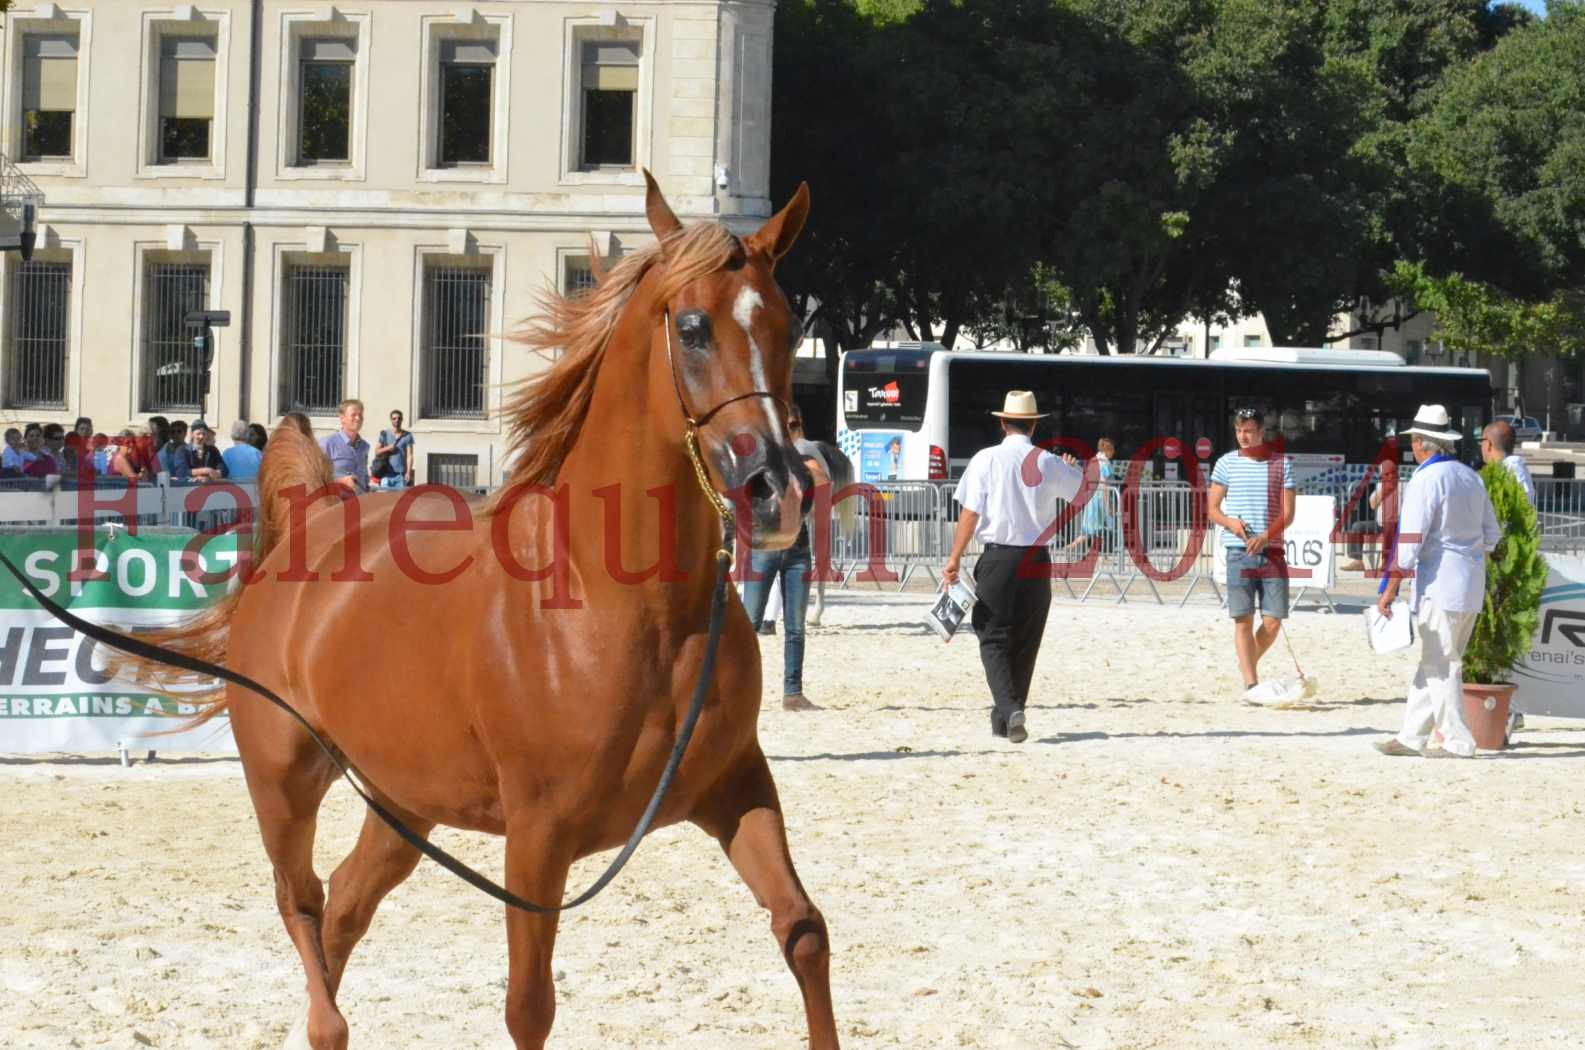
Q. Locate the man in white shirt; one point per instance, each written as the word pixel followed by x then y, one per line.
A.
pixel 1446 529
pixel 1496 446
pixel 1008 497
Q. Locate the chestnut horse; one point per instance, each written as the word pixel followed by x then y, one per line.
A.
pixel 559 628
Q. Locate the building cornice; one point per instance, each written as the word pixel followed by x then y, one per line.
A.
pixel 385 218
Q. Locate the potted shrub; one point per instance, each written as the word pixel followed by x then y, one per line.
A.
pixel 1515 576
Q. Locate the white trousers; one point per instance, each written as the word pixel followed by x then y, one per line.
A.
pixel 1436 694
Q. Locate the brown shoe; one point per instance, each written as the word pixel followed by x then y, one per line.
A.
pixel 1442 752
pixel 798 702
pixel 1396 749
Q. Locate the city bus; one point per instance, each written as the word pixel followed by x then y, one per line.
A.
pixel 920 411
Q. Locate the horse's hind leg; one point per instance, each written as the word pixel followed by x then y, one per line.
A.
pixel 745 816
pixel 287 787
pixel 375 867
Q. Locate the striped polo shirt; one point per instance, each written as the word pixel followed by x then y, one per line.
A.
pixel 1251 491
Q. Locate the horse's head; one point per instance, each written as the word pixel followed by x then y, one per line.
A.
pixel 732 337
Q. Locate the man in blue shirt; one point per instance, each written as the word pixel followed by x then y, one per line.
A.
pixel 1447 529
pixel 241 459
pixel 1252 500
pixel 349 453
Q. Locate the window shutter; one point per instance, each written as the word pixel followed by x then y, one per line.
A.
pixel 187 78
pixel 469 52
pixel 610 66
pixel 49 73
pixel 334 50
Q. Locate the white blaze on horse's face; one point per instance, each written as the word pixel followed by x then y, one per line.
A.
pixel 748 300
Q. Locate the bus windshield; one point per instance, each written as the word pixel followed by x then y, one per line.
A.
pixel 885 390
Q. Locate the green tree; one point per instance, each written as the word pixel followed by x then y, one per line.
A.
pixel 1509 129
pixel 974 108
pixel 1477 317
pixel 1504 136
pixel 839 279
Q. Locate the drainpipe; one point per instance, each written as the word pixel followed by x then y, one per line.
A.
pixel 250 189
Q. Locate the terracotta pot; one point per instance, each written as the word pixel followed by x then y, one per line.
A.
pixel 1486 714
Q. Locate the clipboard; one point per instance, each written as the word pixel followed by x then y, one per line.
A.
pixel 1388 635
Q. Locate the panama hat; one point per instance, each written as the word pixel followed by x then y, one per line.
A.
pixel 1019 404
pixel 1432 421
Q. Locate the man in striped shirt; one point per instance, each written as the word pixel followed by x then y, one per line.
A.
pixel 1252 501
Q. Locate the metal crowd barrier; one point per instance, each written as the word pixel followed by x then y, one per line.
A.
pixel 109 501
pixel 1560 512
pixel 909 526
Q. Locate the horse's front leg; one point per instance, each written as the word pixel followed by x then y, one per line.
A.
pixel 745 817
pixel 536 870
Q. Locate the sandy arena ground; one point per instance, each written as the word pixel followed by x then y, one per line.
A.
pixel 1159 866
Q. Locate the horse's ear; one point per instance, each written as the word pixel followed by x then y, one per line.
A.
pixel 776 237
pixel 596 261
pixel 662 221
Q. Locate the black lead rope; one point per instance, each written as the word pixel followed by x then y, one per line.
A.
pixel 159 654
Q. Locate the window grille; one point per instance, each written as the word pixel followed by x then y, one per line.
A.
pixel 456 344
pixel 460 471
pixel 173 369
pixel 577 275
pixel 40 316
pixel 315 352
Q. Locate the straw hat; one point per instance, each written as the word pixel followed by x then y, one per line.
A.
pixel 1019 404
pixel 1432 421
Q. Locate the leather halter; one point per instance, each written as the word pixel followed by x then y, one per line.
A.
pixel 690 436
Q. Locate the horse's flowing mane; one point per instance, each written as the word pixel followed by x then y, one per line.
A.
pixel 546 411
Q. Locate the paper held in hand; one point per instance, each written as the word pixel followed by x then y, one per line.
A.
pixel 1389 635
pixel 952 605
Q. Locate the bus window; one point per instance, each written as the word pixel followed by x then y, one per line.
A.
pixel 1265 404
pixel 1318 424
pixel 1123 417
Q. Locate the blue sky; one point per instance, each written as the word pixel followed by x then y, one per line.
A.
pixel 1538 6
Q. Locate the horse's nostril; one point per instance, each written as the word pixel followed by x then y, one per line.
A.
pixel 759 487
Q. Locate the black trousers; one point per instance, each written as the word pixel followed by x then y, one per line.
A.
pixel 1009 619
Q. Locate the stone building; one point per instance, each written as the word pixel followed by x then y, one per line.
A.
pixel 375 190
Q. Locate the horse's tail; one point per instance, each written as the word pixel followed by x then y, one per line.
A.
pixel 290 459
pixel 841 477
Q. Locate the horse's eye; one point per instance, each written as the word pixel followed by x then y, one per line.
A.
pixel 693 326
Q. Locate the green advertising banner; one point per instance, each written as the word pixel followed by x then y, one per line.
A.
pixel 54 692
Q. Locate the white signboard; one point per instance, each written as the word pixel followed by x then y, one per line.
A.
pixel 1308 544
pixel 1551 678
pixel 55 694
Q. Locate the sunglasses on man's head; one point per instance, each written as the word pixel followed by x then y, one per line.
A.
pixel 1246 414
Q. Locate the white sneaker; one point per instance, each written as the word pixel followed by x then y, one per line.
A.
pixel 1279 692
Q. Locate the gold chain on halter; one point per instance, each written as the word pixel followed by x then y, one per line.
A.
pixel 690 439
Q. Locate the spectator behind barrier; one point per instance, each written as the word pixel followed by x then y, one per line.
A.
pixel 241 459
